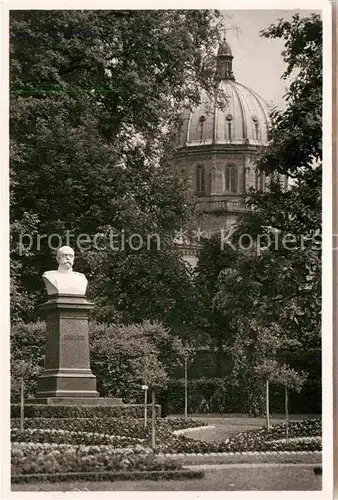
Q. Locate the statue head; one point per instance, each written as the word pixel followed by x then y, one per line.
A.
pixel 65 258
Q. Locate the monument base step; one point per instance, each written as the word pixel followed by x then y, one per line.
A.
pixel 69 401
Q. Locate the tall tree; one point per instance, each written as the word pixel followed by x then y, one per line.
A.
pixel 277 281
pixel 95 100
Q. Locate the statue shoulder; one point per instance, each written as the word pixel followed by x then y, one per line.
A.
pixel 79 274
pixel 49 273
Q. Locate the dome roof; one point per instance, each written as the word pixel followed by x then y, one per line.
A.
pixel 224 49
pixel 244 119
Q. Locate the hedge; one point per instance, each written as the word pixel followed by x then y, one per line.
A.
pixel 113 350
pixel 155 475
pixel 219 393
pixel 223 397
pixel 67 411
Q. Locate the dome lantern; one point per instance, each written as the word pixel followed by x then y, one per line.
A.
pixel 224 62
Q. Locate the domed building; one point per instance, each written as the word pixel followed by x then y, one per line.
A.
pixel 217 151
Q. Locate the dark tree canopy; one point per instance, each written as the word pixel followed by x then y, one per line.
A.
pixel 95 100
pixel 271 294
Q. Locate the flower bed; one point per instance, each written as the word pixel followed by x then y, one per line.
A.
pixel 72 437
pixel 48 447
pixel 129 433
pixel 262 439
pixel 179 423
pixel 297 440
pixel 301 428
pixel 45 458
pixel 126 426
pixel 70 445
pixel 154 475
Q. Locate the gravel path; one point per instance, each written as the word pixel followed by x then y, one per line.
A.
pixel 223 478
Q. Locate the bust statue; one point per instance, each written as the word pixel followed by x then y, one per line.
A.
pixel 65 280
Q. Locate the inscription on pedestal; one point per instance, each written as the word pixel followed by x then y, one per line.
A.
pixel 74 337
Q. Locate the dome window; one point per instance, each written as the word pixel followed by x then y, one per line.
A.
pixel 229 121
pixel 200 179
pixel 230 179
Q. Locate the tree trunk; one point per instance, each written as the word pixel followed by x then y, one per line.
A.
pixel 267 405
pixel 286 414
pixel 153 420
pixel 185 387
pixel 219 355
pixel 22 403
pixel 145 408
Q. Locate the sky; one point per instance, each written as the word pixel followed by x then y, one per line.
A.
pixel 258 62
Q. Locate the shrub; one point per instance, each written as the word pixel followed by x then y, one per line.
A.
pixel 122 357
pixel 125 356
pixel 27 351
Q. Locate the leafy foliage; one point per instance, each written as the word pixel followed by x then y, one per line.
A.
pixel 209 319
pixel 122 357
pixel 296 134
pixel 27 356
pixel 95 100
pixel 270 293
pixel 131 286
pixel 21 301
pixel 125 357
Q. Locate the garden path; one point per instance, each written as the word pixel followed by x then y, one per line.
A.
pixel 274 477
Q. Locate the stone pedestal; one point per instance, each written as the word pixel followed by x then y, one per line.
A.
pixel 67 377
